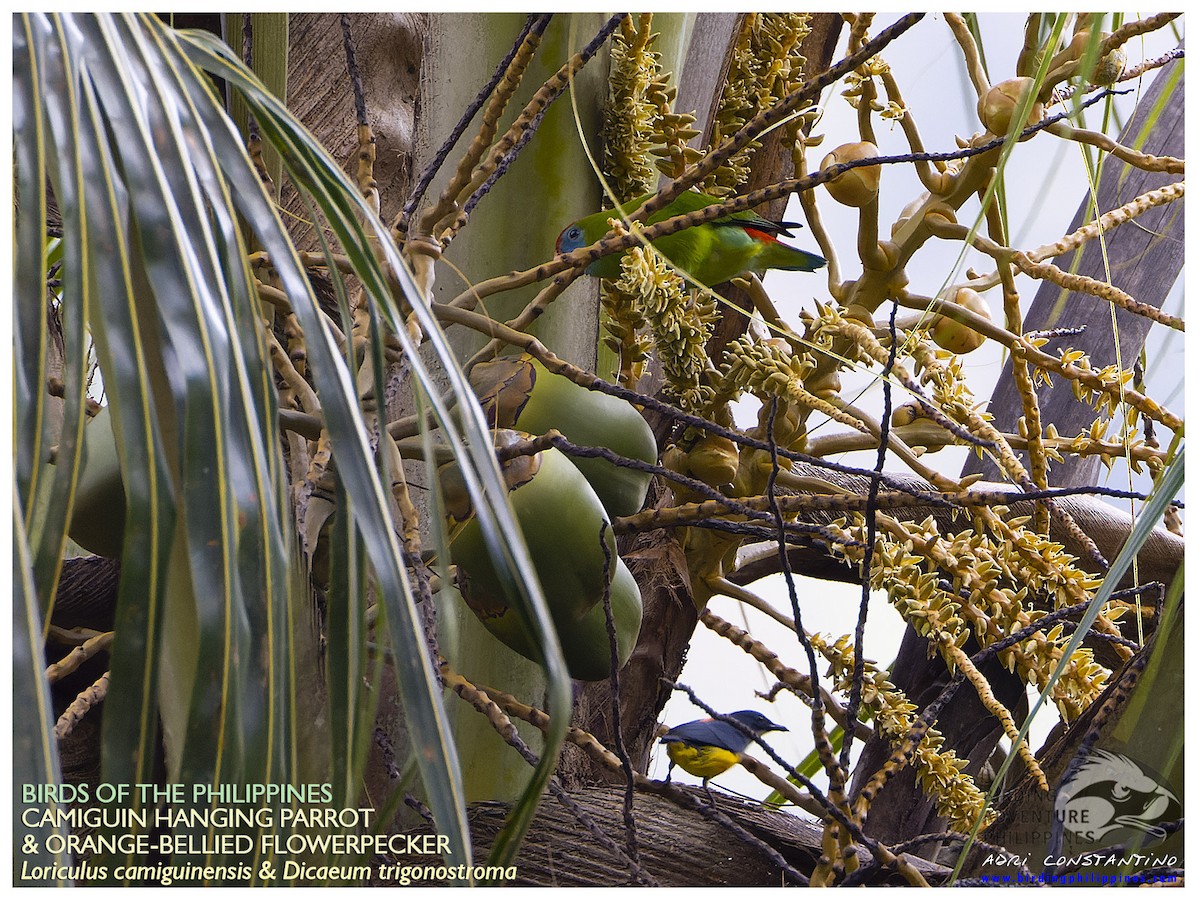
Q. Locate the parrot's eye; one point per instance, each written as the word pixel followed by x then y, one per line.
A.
pixel 570 239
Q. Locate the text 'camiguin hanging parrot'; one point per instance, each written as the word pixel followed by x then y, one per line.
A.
pixel 710 253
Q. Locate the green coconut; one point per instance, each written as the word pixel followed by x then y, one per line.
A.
pixel 585 645
pixel 519 392
pixel 561 519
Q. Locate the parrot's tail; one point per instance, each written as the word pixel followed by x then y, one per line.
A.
pixel 780 256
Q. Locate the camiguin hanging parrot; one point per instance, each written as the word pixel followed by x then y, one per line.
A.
pixel 710 253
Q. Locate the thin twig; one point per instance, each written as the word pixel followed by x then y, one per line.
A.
pixel 519 133
pixel 356 84
pixel 87 700
pixel 535 24
pixel 615 684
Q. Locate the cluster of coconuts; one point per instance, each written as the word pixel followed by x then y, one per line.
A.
pixel 564 506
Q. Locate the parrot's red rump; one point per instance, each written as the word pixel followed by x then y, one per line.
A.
pixel 765 236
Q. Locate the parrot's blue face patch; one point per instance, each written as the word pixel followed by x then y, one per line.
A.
pixel 570 239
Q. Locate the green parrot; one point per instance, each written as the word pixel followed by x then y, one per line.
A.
pixel 710 253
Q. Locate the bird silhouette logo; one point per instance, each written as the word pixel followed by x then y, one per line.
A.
pixel 1111 793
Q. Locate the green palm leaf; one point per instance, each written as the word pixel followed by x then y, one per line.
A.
pixel 35 754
